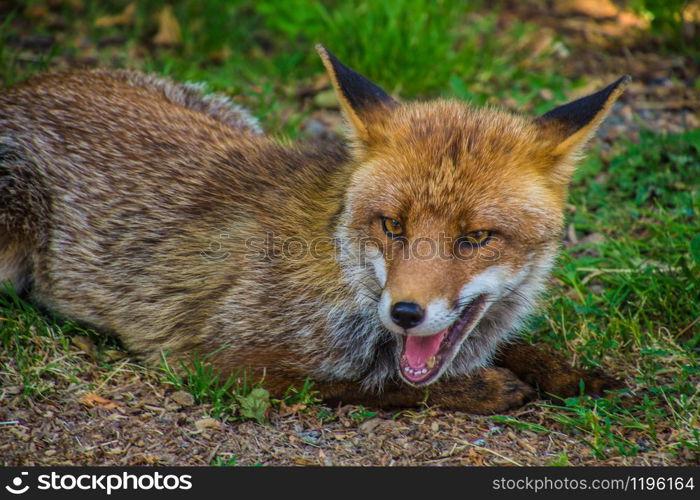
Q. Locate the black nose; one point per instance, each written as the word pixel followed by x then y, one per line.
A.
pixel 406 314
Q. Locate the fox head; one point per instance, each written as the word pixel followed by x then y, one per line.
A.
pixel 453 215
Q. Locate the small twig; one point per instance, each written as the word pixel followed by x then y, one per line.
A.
pixel 502 457
pixel 604 270
pixel 109 377
pixel 692 323
pixel 213 454
pixel 598 272
pixel 101 445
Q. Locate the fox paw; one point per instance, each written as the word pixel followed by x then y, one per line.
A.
pixel 568 384
pixel 551 374
pixel 486 391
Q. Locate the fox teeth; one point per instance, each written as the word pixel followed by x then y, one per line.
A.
pixel 411 371
pixel 428 366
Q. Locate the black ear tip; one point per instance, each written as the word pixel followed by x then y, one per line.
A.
pixel 326 55
pixel 328 58
pixel 321 50
pixel 623 81
pixel 356 89
pixel 616 87
pixel 580 112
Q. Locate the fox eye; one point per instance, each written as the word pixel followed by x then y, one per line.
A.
pixel 475 238
pixel 392 227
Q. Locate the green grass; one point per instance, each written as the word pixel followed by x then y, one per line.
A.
pixel 263 51
pixel 225 462
pixel 232 398
pixel 633 296
pixel 15 67
pixel 36 354
pixel 667 23
pixel 397 43
pixel 304 396
pixel 520 424
pixel 360 414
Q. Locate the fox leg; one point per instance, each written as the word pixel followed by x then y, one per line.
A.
pixel 552 374
pixel 487 390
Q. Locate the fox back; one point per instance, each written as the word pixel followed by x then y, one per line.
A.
pixel 152 211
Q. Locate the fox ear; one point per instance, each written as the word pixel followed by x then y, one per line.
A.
pixel 359 97
pixel 574 123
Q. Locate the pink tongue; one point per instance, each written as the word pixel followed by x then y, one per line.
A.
pixel 419 349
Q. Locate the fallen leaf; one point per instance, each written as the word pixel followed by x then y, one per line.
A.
pixel 169 32
pixel 255 405
pixel 93 400
pixel 598 9
pixel 207 423
pixel 630 19
pixel 125 18
pixel 304 461
pixel 593 239
pixel 285 410
pixel 86 345
pixel 182 398
pixel 368 426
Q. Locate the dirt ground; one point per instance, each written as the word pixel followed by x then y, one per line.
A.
pixel 153 424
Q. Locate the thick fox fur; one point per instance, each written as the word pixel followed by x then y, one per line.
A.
pixel 147 209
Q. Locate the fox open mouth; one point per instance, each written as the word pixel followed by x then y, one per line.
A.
pixel 424 358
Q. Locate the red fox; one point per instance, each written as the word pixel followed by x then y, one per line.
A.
pixel 394 269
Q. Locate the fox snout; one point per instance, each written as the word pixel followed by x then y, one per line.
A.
pixel 429 335
pixel 431 329
pixel 411 317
